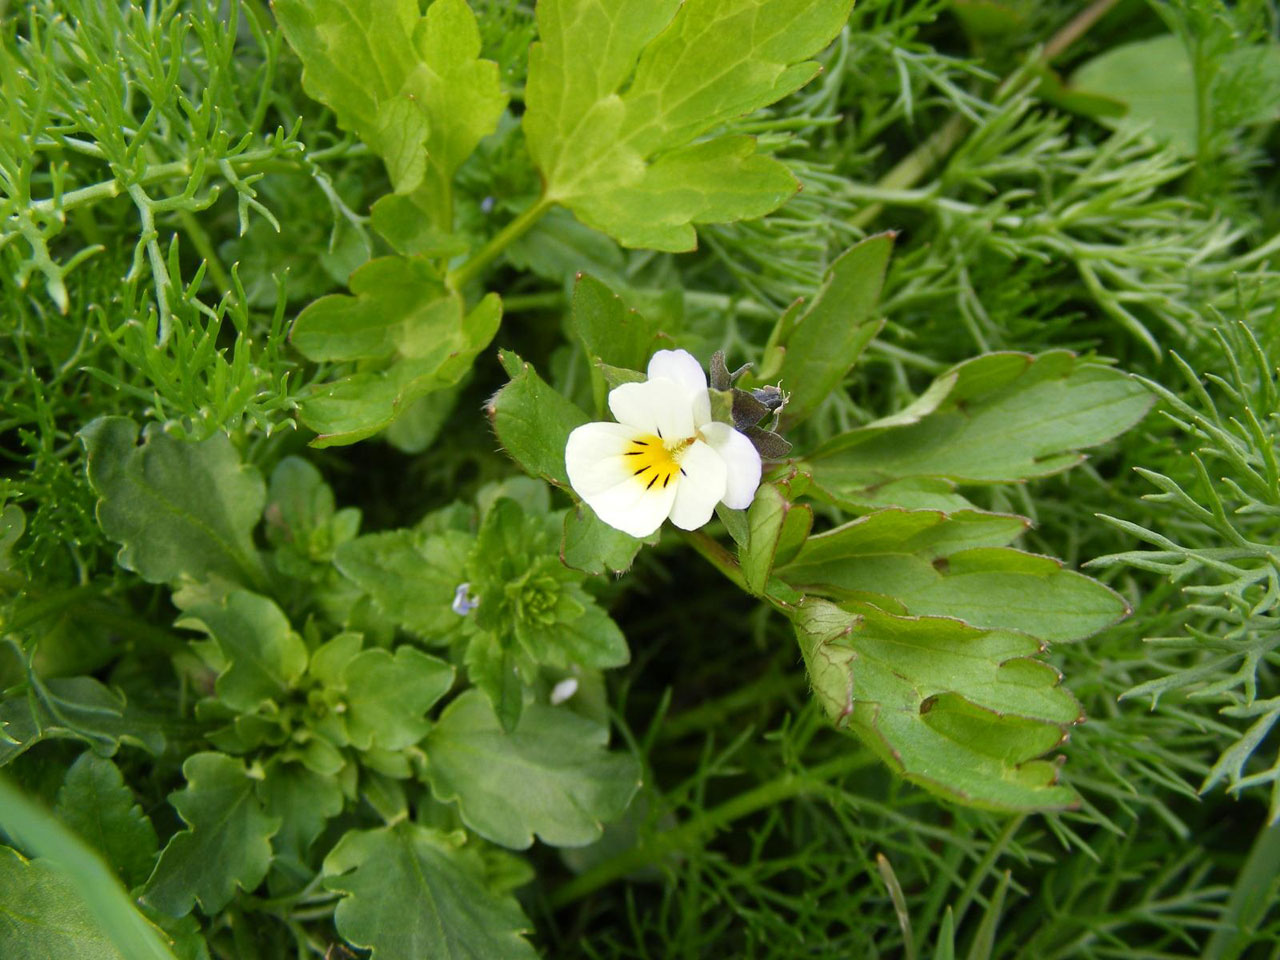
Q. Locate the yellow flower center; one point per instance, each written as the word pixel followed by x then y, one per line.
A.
pixel 655 462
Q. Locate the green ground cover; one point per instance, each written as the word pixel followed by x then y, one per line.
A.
pixel 309 647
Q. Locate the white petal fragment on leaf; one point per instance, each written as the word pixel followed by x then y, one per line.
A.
pixel 740 458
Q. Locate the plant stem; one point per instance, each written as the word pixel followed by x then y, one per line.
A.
pixel 466 272
pixel 719 557
pixel 697 830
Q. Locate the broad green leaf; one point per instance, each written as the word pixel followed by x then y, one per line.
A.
pixel 303 801
pixel 594 547
pixel 533 421
pixel 999 418
pixel 301 521
pixel 825 341
pixel 411 892
pixel 963 712
pixel 401 317
pixel 387 696
pixel 265 657
pixel 43 918
pixel 227 843
pixel 620 92
pixel 411 577
pixel 926 563
pixel 96 803
pixel 1155 79
pixel 410 86
pixel 553 775
pixel 78 708
pixel 178 509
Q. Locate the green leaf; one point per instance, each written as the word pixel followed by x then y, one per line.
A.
pixel 303 801
pixel 558 247
pixel 410 86
pixel 552 776
pixel 227 843
pixel 96 803
pixel 387 696
pixel 533 421
pixel 402 317
pixel 766 519
pixel 613 334
pixel 79 708
pixel 43 917
pixel 925 563
pixel 594 547
pixel 825 341
pixel 412 892
pixel 1155 79
pixel 999 418
pixel 631 163
pixel 265 657
pixel 178 509
pixel 963 712
pixel 411 577
pixel 492 668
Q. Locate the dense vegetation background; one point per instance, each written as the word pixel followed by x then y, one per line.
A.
pixel 175 191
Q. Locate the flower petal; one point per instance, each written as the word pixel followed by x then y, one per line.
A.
pixel 594 459
pixel 680 366
pixel 741 460
pixel 599 472
pixel 660 407
pixel 702 484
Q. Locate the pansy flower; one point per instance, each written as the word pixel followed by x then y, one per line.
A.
pixel 665 457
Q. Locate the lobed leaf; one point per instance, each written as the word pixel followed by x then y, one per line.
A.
pixel 963 712
pixel 411 892
pixel 630 162
pixel 552 775
pixel 533 421
pixel 227 843
pixel 95 802
pixel 177 508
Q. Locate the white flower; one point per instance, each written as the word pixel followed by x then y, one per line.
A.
pixel 665 457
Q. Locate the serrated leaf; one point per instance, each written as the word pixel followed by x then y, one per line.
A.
pixel 265 657
pixel 95 802
pixel 533 421
pixel 411 577
pixel 412 892
pixel 227 843
pixel 412 87
pixel 825 341
pixel 401 317
pixel 627 162
pixel 552 776
pixel 999 418
pixel 178 509
pixel 387 696
pixel 963 712
pixel 594 547
pixel 926 563
pixel 43 917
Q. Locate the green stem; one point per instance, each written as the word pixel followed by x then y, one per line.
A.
pixel 466 272
pixel 204 246
pixel 719 557
pixel 697 830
